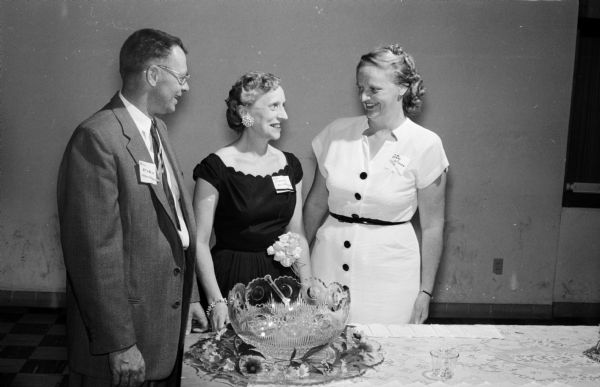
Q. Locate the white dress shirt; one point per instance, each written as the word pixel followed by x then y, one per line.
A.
pixel 144 123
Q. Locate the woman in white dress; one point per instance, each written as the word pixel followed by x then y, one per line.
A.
pixel 373 172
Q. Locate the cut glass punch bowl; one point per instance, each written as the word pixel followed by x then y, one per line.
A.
pixel 279 316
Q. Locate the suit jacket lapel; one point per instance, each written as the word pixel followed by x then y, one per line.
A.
pixel 137 149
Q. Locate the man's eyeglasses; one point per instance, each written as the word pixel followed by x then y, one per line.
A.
pixel 181 78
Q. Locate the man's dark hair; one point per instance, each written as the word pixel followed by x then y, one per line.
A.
pixel 144 45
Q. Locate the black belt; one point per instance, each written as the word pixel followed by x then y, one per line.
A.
pixel 357 219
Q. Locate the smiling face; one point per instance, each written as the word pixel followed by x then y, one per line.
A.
pixel 268 112
pixel 167 90
pixel 380 96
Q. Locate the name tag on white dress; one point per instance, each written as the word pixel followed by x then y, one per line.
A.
pixel 399 163
pixel 282 184
pixel 399 160
pixel 147 172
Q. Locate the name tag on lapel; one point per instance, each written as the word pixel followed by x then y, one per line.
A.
pixel 147 172
pixel 282 184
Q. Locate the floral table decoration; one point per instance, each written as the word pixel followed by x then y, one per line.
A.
pixel 594 352
pixel 226 357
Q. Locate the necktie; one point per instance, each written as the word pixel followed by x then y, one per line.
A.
pixel 161 170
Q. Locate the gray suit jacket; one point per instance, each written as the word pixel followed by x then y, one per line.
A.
pixel 129 280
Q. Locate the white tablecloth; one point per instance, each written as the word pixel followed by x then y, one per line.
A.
pixel 501 355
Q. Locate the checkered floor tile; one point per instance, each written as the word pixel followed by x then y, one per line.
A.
pixel 32 347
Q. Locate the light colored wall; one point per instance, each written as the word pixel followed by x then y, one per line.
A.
pixel 498 75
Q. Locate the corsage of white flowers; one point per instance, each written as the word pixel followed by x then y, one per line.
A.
pixel 286 249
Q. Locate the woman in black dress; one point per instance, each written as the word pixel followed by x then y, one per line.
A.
pixel 250 193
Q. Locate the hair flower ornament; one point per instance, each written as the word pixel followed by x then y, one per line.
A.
pixel 286 250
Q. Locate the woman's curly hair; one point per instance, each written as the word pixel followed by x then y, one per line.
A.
pixel 402 64
pixel 245 92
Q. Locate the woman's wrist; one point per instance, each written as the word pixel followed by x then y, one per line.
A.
pixel 427 292
pixel 214 303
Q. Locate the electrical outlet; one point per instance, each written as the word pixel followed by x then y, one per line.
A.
pixel 498 266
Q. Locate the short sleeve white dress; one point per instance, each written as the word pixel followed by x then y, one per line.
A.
pixel 380 264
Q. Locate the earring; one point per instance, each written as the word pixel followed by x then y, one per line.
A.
pixel 247 120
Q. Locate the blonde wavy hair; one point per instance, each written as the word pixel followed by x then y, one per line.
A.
pixel 404 73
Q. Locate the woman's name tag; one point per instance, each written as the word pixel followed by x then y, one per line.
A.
pixel 400 160
pixel 399 163
pixel 282 184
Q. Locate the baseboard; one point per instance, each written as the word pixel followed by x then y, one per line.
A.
pixel 554 311
pixel 32 299
pixel 436 310
pixel 491 311
pixel 576 310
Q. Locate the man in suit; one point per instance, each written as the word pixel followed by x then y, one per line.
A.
pixel 127 227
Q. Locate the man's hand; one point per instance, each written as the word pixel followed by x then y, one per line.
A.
pixel 127 367
pixel 196 313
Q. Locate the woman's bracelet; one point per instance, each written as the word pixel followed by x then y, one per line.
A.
pixel 212 305
pixel 428 293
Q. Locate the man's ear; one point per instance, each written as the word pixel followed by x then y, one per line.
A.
pixel 152 75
